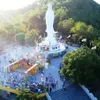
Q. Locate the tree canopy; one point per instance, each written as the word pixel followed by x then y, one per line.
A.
pixel 26 95
pixel 82 65
pixel 74 17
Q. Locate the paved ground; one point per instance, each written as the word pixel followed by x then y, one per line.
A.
pixel 15 53
pixel 72 92
pixel 53 69
pixel 19 52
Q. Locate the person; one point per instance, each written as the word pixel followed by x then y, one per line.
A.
pixel 42 79
pixel 10 61
pixel 64 87
pixel 8 94
pixel 64 84
pixel 28 62
pixel 46 79
pixel 26 85
pixel 47 89
pixel 39 90
pixel 50 89
pixel 60 66
pixel 53 85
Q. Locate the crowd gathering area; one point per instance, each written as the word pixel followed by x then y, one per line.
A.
pixel 18 71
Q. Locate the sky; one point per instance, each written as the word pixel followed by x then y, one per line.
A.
pixel 16 4
pixel 98 1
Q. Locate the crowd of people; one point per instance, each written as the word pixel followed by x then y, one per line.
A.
pixel 37 87
pixel 18 80
pixel 49 82
pixel 7 57
pixel 51 86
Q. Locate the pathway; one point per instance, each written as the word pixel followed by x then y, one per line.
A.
pixel 53 69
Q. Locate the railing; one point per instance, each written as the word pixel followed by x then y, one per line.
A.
pixel 48 96
pixel 8 89
pixel 88 93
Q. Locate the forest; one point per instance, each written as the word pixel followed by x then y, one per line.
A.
pixel 76 18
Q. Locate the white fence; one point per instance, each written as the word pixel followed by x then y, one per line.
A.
pixel 48 96
pixel 88 93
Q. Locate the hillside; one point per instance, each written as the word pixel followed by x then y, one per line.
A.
pixel 27 20
pixel 32 18
pixel 8 15
pixel 85 16
pixel 87 11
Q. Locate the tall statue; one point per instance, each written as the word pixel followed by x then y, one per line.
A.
pixel 49 23
pixel 49 18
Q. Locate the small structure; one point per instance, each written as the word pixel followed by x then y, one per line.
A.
pixel 56 49
pixel 23 66
pixel 32 70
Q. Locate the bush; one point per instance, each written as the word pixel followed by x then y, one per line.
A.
pixel 26 95
pixel 82 65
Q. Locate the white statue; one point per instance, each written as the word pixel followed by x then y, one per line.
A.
pixel 49 18
pixel 49 23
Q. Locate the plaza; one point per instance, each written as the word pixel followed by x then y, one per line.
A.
pixel 16 79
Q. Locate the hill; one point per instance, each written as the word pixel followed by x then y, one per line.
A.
pixel 87 11
pixel 8 15
pixel 29 20
pixel 78 18
pixel 32 18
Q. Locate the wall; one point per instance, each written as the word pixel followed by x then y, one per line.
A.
pixel 88 93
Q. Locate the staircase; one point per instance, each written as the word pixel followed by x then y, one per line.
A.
pixel 73 92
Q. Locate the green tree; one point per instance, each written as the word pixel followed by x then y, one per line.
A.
pixel 10 29
pixel 65 26
pixel 3 32
pixel 25 95
pixel 96 44
pixel 85 31
pixel 61 14
pixel 32 37
pixel 82 65
pixel 79 28
pixel 68 24
pixel 20 37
